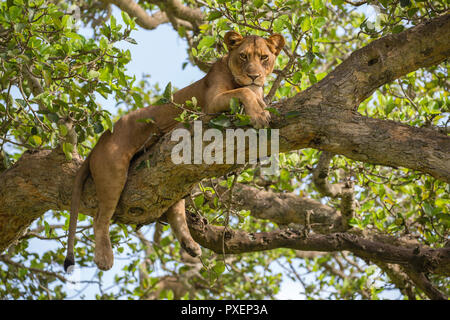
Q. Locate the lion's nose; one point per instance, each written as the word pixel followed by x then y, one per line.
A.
pixel 253 76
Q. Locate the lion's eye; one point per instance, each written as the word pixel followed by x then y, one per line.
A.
pixel 243 56
pixel 264 57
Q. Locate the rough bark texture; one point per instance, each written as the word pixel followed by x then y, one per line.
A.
pixel 323 117
pixel 173 11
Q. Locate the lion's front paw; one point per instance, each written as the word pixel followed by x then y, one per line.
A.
pixel 260 120
pixel 104 257
pixel 255 109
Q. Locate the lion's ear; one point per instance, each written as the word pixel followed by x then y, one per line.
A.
pixel 232 40
pixel 276 42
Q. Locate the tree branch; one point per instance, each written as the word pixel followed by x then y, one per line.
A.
pixel 398 278
pixel 171 11
pixel 193 15
pixel 344 191
pixel 320 177
pixel 143 19
pixel 236 241
pixel 422 282
pixel 385 60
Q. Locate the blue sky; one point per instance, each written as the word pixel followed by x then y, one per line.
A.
pixel 159 53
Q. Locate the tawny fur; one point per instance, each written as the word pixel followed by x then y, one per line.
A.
pixel 240 74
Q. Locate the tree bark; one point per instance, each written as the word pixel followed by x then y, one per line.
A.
pixel 322 117
pixel 226 240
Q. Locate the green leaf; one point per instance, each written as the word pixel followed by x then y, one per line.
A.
pixel 280 23
pixel 220 122
pixel 47 229
pixel 219 267
pixel 165 241
pixel 398 29
pixel 98 128
pixel 297 77
pixel 242 120
pixel 21 103
pixel 411 12
pixel 63 130
pixel 130 40
pixel 36 140
pixel 258 3
pixel 384 3
pixel 92 74
pixel 206 42
pixel 125 17
pixel 319 22
pixel 317 5
pixel 405 3
pixel 199 200
pixel 182 31
pixel 161 102
pixel 285 175
pixel 67 149
pixel 53 117
pixel 273 110
pixel 428 209
pixel 389 107
pixel 15 12
pixel 168 92
pixel 47 77
pixel 292 114
pixel 112 21
pixel 124 229
pixel 235 105
pixel 306 24
pixel 213 15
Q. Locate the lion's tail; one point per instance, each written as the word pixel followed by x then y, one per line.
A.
pixel 80 178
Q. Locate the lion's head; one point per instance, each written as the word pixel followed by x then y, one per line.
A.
pixel 251 58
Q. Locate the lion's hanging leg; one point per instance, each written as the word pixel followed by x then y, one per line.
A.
pixel 176 216
pixel 109 177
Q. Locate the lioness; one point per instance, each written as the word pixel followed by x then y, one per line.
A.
pixel 239 74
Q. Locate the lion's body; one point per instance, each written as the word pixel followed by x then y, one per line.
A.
pixel 230 77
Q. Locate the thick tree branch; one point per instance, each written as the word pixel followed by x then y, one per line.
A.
pixel 364 139
pixel 143 19
pixel 194 16
pixel 422 282
pixel 236 241
pixel 385 60
pixel 171 11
